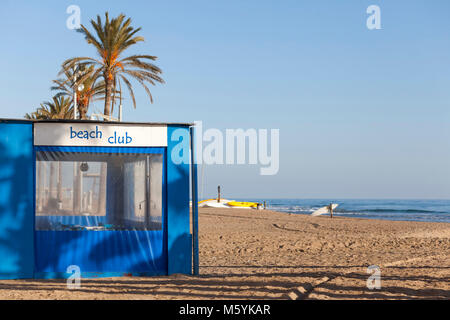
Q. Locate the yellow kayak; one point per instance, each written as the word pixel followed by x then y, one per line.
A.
pixel 243 204
pixel 214 203
pixel 206 200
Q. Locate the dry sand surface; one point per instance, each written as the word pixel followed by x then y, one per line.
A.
pixel 249 254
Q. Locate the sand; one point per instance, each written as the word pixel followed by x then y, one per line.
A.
pixel 250 254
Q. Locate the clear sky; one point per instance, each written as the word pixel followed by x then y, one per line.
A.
pixel 362 113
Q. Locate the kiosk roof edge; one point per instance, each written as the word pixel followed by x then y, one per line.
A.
pixel 183 124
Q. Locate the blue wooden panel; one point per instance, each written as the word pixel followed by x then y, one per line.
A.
pixel 178 236
pixel 194 195
pixel 92 275
pixel 100 251
pixel 16 200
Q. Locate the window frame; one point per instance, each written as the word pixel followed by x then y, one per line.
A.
pixel 108 150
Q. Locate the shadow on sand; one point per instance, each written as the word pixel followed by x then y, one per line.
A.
pixel 250 285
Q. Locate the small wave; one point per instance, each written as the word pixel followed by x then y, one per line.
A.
pixel 436 212
pixel 356 211
pixel 292 208
pixel 389 211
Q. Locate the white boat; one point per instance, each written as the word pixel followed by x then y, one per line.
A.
pixel 213 203
pixel 324 210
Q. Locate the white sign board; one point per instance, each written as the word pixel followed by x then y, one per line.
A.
pixel 99 134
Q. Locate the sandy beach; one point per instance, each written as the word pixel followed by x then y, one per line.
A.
pixel 250 254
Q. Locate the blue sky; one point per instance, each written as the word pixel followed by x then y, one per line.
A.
pixel 362 113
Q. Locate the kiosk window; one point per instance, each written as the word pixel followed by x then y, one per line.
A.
pixel 98 191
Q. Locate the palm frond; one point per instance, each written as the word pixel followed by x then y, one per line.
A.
pixel 111 37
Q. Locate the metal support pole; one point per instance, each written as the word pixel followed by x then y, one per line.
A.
pixel 194 205
pixel 75 104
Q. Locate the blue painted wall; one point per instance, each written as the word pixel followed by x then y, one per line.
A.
pixel 179 242
pixel 125 251
pixel 16 200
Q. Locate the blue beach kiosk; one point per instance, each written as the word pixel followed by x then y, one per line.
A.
pixel 111 198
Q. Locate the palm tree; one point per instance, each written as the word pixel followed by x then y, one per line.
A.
pixel 111 39
pixel 34 115
pixel 59 108
pixel 87 91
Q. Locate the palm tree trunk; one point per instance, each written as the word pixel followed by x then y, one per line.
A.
pixel 108 91
pixel 83 112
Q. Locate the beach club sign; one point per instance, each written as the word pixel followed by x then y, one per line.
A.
pixel 104 135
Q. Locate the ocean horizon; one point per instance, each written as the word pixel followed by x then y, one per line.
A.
pixel 421 210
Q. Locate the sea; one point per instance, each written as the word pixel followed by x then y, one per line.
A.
pixel 406 210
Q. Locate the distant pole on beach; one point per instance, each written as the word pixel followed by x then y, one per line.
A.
pixel 218 193
pixel 331 210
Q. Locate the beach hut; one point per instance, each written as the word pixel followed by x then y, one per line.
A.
pixel 103 198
